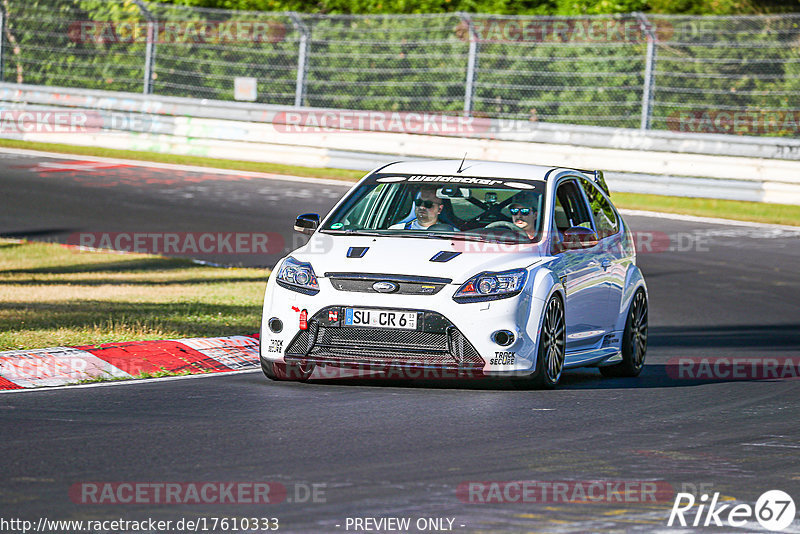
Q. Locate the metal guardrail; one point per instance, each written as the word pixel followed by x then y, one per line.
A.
pixel 656 72
pixel 647 162
pixel 162 109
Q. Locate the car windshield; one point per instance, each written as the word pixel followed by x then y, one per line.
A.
pixel 452 207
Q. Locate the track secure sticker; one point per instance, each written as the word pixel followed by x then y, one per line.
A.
pixel 503 358
pixel 275 345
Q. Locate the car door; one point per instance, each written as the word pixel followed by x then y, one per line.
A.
pixel 579 270
pixel 610 251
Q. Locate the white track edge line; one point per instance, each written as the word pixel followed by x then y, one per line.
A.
pixel 129 382
pixel 179 167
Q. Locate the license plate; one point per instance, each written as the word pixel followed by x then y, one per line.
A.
pixel 380 318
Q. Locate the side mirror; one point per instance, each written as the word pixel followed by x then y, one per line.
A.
pixel 306 223
pixel 578 237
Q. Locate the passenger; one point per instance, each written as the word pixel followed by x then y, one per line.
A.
pixel 427 208
pixel 524 214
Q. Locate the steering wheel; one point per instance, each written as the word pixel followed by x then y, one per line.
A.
pixel 505 224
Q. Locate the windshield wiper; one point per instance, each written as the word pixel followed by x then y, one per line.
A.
pixel 353 231
pixel 459 236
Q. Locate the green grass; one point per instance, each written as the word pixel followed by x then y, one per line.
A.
pixel 709 207
pixel 726 209
pixel 161 373
pixel 52 295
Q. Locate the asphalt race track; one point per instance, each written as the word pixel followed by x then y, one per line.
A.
pixel 378 449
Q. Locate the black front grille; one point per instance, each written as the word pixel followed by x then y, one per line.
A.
pixel 436 342
pixel 405 284
pixel 378 338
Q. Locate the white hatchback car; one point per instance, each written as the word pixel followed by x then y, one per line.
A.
pixel 464 268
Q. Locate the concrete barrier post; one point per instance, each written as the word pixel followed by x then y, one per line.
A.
pixel 150 48
pixel 472 64
pixel 302 58
pixel 649 71
pixel 2 43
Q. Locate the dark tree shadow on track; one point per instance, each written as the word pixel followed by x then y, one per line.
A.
pixel 654 376
pixel 764 337
pixel 124 264
pixel 774 343
pixel 37 234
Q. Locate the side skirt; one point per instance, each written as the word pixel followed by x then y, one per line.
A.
pixel 606 356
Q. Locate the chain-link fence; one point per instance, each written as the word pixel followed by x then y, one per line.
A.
pixel 702 74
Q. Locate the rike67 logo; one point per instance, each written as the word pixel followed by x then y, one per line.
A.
pixel 774 510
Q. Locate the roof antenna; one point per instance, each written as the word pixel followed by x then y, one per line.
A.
pixel 460 167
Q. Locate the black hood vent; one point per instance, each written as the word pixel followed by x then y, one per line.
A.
pixel 357 252
pixel 444 256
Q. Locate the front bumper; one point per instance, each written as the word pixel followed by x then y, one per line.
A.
pixel 451 335
pixel 436 343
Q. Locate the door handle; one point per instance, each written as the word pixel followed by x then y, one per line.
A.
pixel 605 264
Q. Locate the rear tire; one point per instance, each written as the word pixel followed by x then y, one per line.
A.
pixel 634 340
pixel 552 347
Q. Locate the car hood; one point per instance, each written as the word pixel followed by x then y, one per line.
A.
pixel 329 253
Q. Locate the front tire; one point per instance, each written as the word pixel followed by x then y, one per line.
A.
pixel 634 340
pixel 552 347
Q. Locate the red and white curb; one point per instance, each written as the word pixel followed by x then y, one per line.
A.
pixel 58 366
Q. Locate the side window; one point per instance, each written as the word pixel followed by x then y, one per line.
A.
pixel 605 219
pixel 569 210
pixel 570 207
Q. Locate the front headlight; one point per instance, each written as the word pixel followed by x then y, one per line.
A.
pixel 492 286
pixel 298 276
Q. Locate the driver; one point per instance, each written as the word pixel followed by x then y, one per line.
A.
pixel 427 207
pixel 524 214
